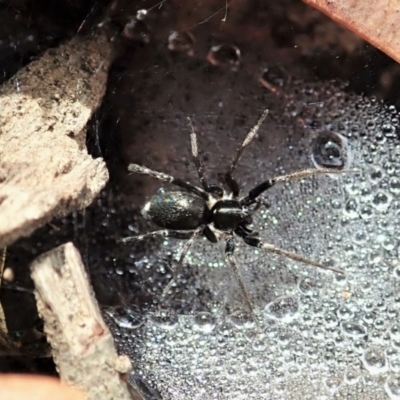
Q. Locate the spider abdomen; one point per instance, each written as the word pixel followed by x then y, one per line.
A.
pixel 176 210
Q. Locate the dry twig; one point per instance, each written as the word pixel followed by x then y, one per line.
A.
pixel 83 347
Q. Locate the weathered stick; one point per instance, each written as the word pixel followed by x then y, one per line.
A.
pixel 45 170
pixel 83 347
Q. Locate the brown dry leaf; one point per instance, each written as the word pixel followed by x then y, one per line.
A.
pixel 377 22
pixel 34 387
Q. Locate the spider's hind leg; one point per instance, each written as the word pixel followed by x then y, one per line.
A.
pixel 256 242
pixel 178 267
pixel 157 234
pixel 230 258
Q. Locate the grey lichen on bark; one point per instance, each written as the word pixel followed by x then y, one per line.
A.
pixel 45 170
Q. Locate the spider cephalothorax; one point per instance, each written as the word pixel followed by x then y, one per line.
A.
pixel 214 212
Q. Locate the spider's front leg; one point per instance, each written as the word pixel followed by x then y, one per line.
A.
pixel 263 186
pixel 214 189
pixel 230 181
pixel 163 177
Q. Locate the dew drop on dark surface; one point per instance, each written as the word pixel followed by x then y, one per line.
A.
pixel 137 30
pixel 329 150
pixel 273 78
pixel 283 308
pixel 224 55
pixel 165 319
pixel 374 360
pixel 204 322
pixel 141 14
pixel 353 329
pixel 126 318
pixel 181 41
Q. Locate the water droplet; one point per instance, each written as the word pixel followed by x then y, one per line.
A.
pixel 329 150
pixel 379 323
pixel 353 329
pixel 394 185
pixel 352 375
pixel 366 212
pixel 330 320
pixel 393 356
pixel 204 322
pixel 360 237
pixel 284 308
pixel 345 313
pixel 165 319
pixel 333 383
pixel 126 318
pixel 351 209
pixel 231 373
pixel 309 286
pixel 394 331
pixel 374 360
pixel 259 344
pixel 181 41
pixel 369 318
pixel 225 55
pixel 396 271
pixel 381 201
pixel 389 130
pixel 119 270
pixel 241 319
pixel 137 30
pixel 273 78
pixel 141 14
pixel 359 346
pixel 249 370
pixel 392 387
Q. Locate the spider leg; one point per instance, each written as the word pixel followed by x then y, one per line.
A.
pixel 230 258
pixel 157 234
pixel 178 267
pixel 255 242
pixel 195 154
pixel 262 187
pixel 199 165
pixel 169 179
pixel 230 181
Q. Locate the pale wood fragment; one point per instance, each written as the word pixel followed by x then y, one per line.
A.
pixel 83 347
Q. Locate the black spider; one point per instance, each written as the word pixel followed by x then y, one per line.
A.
pixel 214 212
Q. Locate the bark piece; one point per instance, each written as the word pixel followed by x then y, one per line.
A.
pixel 45 170
pixel 83 347
pixel 3 324
pixel 377 22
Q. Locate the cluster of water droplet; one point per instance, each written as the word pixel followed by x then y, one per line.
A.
pixel 317 332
